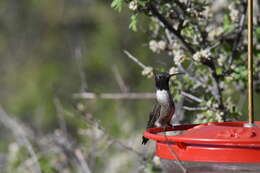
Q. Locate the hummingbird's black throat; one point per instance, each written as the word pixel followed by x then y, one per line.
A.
pixel 162 81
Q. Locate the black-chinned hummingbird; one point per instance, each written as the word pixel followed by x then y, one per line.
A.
pixel 164 108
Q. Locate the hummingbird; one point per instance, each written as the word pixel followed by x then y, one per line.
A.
pixel 164 108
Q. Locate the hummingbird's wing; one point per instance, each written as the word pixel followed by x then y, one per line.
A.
pixel 153 116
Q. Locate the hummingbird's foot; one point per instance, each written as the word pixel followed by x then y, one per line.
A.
pixel 169 125
pixel 158 124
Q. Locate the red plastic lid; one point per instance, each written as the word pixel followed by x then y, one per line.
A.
pixel 212 142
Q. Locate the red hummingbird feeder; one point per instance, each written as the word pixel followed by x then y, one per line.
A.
pixel 213 147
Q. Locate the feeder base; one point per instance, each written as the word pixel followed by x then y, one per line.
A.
pixel 171 166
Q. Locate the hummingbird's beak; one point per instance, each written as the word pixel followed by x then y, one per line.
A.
pixel 174 74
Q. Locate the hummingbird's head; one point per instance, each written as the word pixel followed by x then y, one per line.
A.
pixel 162 80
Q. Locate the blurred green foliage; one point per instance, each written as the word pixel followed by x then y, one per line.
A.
pixel 38 56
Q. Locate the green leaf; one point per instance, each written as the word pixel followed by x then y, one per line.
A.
pixel 227 23
pixel 219 71
pixel 117 4
pixel 133 24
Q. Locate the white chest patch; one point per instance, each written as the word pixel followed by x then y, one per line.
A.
pixel 162 97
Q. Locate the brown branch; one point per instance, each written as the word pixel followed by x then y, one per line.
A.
pixel 115 96
pixel 195 108
pixel 82 161
pixel 192 97
pixel 135 59
pixel 119 79
pixel 78 58
pixel 239 34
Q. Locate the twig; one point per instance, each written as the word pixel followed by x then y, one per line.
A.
pixel 129 148
pixel 68 147
pixel 192 97
pixel 20 134
pixel 135 59
pixel 192 77
pixel 115 96
pixel 60 114
pixel 95 123
pixel 78 57
pixel 120 80
pixel 194 108
pixel 82 161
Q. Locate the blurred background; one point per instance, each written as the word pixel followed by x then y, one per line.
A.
pixel 52 50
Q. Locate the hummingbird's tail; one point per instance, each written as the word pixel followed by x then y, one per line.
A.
pixel 145 140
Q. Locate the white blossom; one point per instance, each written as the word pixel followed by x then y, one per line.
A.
pixel 175 47
pixel 257 46
pixel 221 59
pixel 81 107
pixel 215 32
pixel 215 105
pixel 196 39
pixel 202 54
pixel 209 103
pixel 234 12
pixel 177 52
pixel 153 45
pixel 222 85
pixel 173 70
pixel 185 22
pixel 148 72
pixel 207 13
pixel 155 25
pixel 234 15
pixel 179 58
pixel 183 1
pixel 219 116
pixel 230 78
pixel 133 5
pixel 157 46
pixel 162 45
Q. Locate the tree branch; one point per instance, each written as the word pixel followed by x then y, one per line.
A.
pixel 115 96
pixel 192 97
pixel 134 59
pixel 170 28
pixel 194 108
pixel 119 80
pixel 239 34
pixel 21 135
